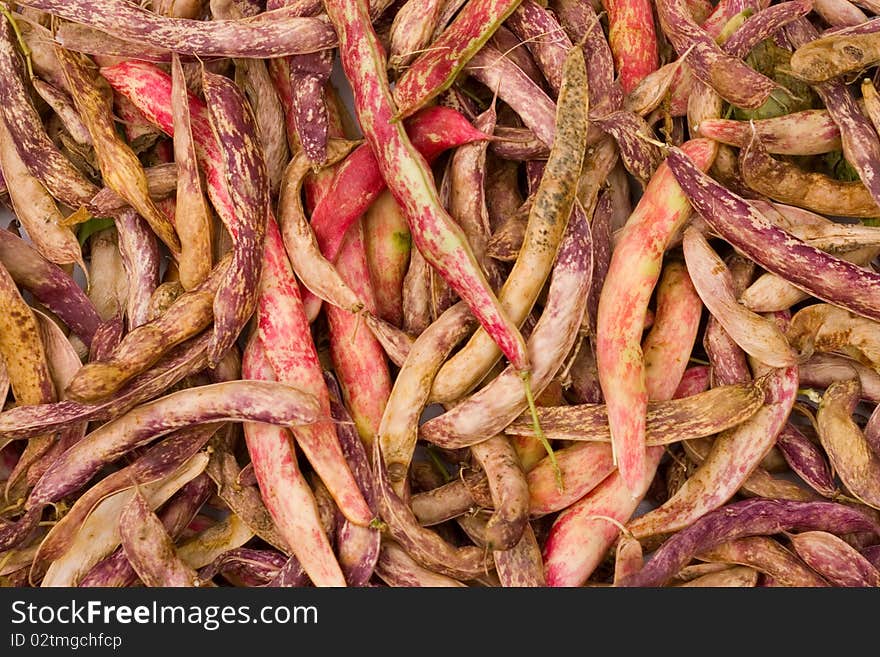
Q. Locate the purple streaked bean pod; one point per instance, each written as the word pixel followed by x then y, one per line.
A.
pixel 28 421
pixel 90 41
pixel 505 78
pixel 764 25
pixel 810 132
pixel 734 81
pixel 291 574
pixel 245 566
pixel 36 150
pixel 398 429
pixel 640 157
pixel 777 251
pixel 17 532
pixel 807 460
pixel 247 181
pixel 758 336
pixel 601 228
pixel 256 401
pixel 317 273
pixel 467 176
pixel 396 568
pixel 358 547
pixel 146 344
pixel 545 38
pixel 99 535
pixel 872 554
pixel 769 557
pixel 253 77
pixel 515 51
pixel 582 24
pixel 50 285
pixel 308 77
pixel 728 360
pixel 63 106
pixel 519 144
pixel 835 560
pixel 156 463
pixel 822 370
pixel 140 256
pixel 694 416
pixel 584 387
pixel 755 517
pixel 522 565
pixel 271 34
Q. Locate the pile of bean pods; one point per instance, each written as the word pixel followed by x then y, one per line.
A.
pixel 440 293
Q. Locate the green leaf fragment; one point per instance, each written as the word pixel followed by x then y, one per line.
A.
pixel 92 226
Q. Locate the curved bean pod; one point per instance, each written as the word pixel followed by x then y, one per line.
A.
pixel 747 518
pixel 232 401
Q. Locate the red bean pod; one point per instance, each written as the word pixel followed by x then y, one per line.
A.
pixel 405 172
